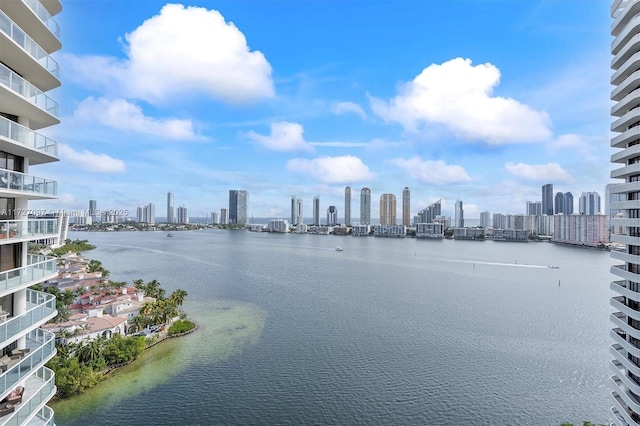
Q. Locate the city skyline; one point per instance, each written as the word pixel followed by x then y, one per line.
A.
pixel 334 114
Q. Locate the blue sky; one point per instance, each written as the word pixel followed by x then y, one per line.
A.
pixel 483 101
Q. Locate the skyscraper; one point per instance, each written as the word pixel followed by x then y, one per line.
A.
pixel 316 210
pixel 429 214
pixel 238 206
pixel 298 218
pixel 332 216
pixel 459 215
pixel 485 219
pixel 365 206
pixel 568 203
pixel 534 208
pixel 626 319
pixel 558 203
pixel 93 211
pixel 589 203
pixel 182 215
pixel 547 199
pixel 28 36
pixel 347 206
pixel 406 206
pixel 170 217
pixel 224 216
pixel 387 209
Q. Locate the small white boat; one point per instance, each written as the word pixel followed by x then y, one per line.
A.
pixel 338 248
pixel 554 267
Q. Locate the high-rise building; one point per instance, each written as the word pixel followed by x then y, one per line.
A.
pixel 406 206
pixel 296 211
pixel 316 210
pixel 610 197
pixel 149 213
pixel 547 199
pixel 430 213
pixel 365 206
pixel 568 203
pixel 214 218
pixel 485 219
pixel 387 209
pixel 182 215
pixel 534 208
pixel 170 217
pixel 332 216
pixel 238 206
pixel 93 211
pixel 589 203
pixel 558 202
pixel 224 216
pixel 28 36
pixel 626 139
pixel 347 206
pixel 459 215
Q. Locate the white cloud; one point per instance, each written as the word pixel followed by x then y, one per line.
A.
pixel 437 172
pixel 343 169
pixel 458 96
pixel 284 137
pixel 90 161
pixel 539 172
pixel 123 115
pixel 349 108
pixel 181 51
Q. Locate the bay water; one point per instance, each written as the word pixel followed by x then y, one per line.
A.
pixel 385 332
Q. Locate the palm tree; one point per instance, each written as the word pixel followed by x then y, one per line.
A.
pixel 91 351
pixel 137 323
pixel 178 297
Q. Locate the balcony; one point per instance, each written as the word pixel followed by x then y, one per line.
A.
pixel 38 269
pixel 27 57
pixel 623 37
pixel 27 143
pixel 47 20
pixel 625 155
pixel 621 411
pixel 42 348
pixel 44 417
pixel 41 307
pixel 21 98
pixel 27 230
pixel 38 389
pixel 31 187
pixel 629 399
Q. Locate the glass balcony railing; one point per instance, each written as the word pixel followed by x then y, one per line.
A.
pixel 20 182
pixel 31 228
pixel 41 12
pixel 37 269
pixel 27 407
pixel 34 95
pixel 27 137
pixel 15 33
pixel 40 306
pixel 42 348
pixel 46 416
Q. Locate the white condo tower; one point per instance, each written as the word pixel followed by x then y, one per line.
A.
pixel 28 36
pixel 625 63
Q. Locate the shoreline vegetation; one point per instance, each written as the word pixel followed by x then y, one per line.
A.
pixel 83 359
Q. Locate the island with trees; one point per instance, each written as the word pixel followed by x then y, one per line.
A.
pixel 103 324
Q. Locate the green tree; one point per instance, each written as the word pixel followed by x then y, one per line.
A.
pixel 178 297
